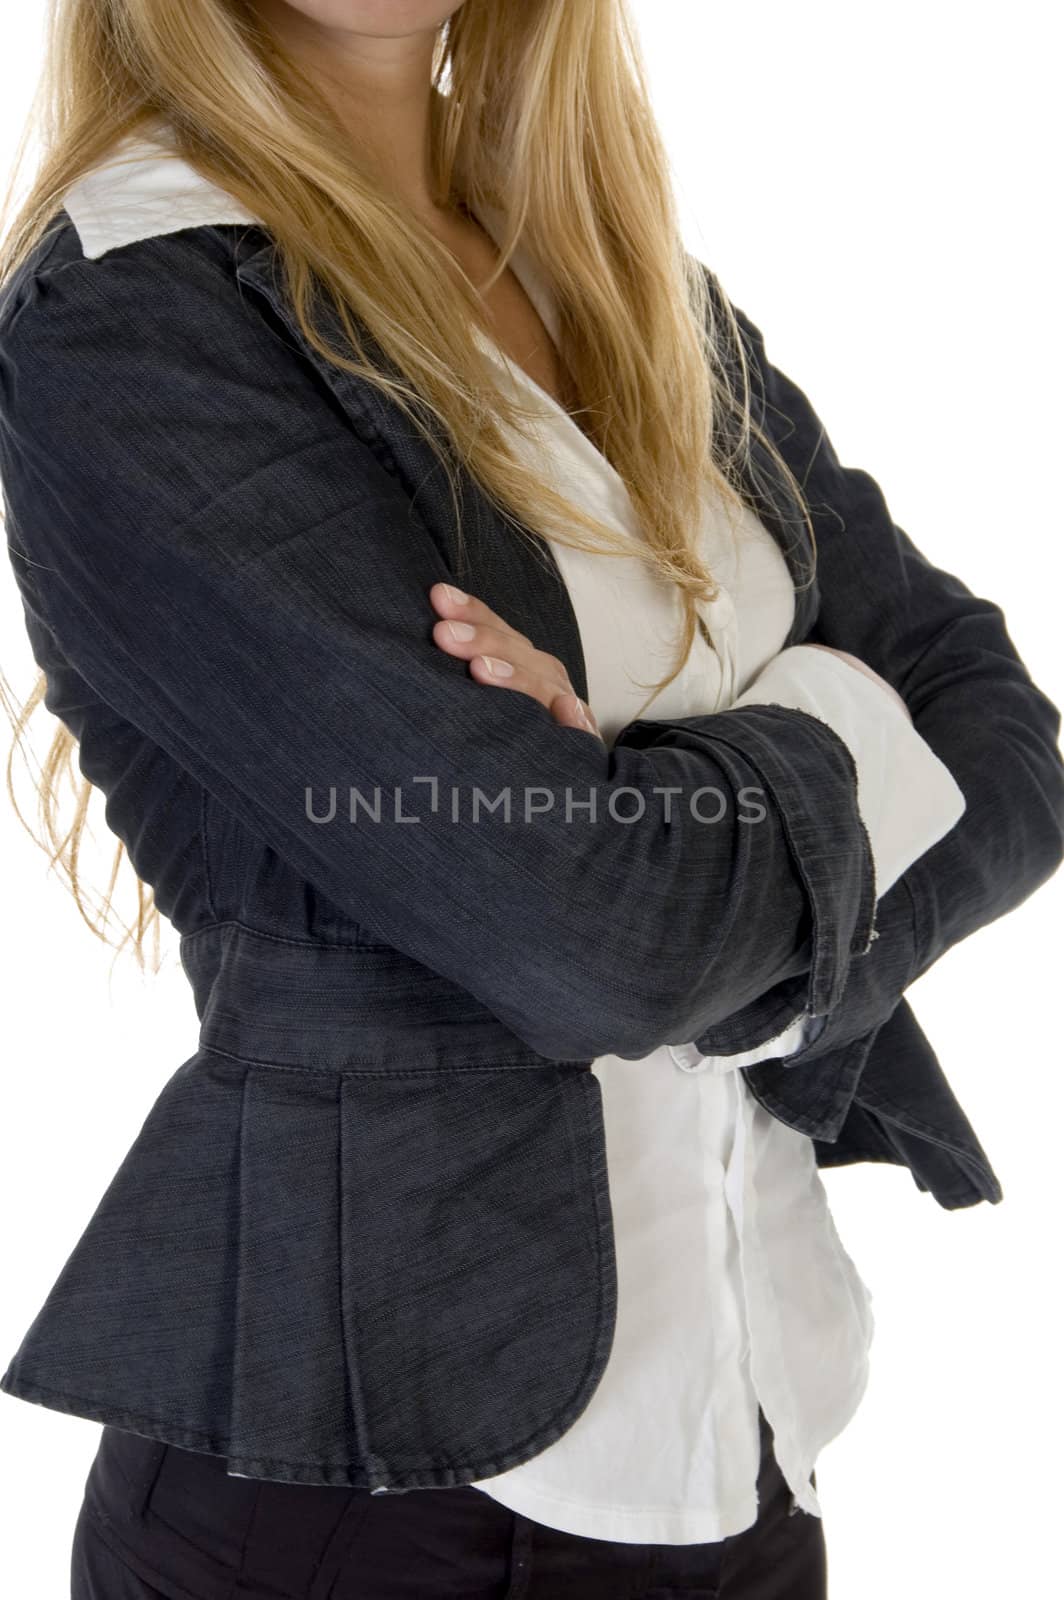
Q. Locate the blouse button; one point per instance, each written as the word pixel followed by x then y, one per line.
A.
pixel 721 609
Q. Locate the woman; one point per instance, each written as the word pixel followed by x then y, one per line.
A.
pixel 352 370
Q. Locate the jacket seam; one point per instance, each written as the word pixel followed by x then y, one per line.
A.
pixel 283 939
pixel 882 1103
pixel 208 886
pixel 502 1065
pixel 908 880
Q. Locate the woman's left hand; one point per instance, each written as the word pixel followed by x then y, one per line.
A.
pixel 500 656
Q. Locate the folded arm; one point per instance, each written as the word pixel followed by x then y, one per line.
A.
pixel 232 568
pixel 948 653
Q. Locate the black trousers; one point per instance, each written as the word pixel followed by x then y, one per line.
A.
pixel 158 1521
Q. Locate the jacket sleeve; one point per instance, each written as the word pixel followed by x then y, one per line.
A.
pixel 948 653
pixel 235 570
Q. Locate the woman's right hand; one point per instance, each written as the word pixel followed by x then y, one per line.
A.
pixel 869 672
pixel 513 662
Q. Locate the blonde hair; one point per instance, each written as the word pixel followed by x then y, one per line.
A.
pixel 545 115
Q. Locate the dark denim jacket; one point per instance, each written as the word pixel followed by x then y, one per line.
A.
pixel 364 1236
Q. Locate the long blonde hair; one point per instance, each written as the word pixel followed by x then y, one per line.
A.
pixel 540 109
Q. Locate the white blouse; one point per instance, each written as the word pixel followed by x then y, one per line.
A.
pixel 734 1288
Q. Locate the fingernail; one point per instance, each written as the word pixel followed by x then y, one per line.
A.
pixel 456 595
pixel 585 718
pixel 498 668
pixel 461 630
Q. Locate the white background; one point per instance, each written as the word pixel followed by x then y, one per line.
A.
pixel 876 187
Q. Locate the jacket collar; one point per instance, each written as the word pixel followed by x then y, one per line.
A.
pixel 145 189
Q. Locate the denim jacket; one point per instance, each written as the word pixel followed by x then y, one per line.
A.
pixel 364 1236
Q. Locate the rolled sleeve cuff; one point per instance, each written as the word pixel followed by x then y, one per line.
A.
pixel 907 796
pixel 689 1058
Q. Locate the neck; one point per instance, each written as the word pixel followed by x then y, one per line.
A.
pixel 380 88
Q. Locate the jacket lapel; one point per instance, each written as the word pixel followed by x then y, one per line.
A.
pixel 488 556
